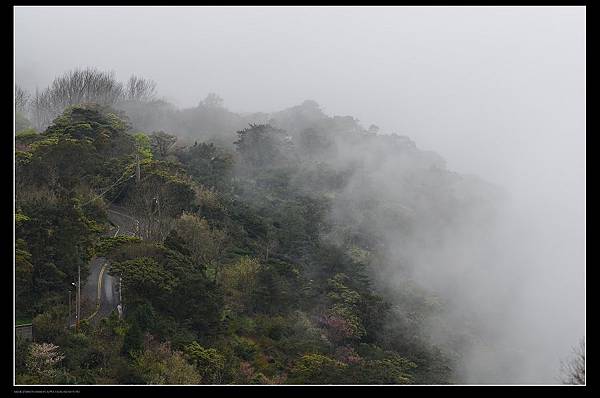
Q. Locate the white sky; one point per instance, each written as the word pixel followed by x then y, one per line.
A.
pixel 480 85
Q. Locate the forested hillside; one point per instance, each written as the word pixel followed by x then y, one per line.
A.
pixel 269 248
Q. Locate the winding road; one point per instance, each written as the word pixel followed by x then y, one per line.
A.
pixel 100 293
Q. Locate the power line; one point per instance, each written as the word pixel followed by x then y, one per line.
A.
pixel 110 187
pixel 122 175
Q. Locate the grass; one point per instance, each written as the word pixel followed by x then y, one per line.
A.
pixel 22 321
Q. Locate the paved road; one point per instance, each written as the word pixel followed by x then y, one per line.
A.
pixel 100 293
pixel 118 216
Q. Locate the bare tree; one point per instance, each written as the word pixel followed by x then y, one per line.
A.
pixel 157 200
pixel 268 244
pixel 573 370
pixel 75 87
pixel 41 109
pixel 139 89
pixel 21 99
pixel 213 100
pixel 85 85
pixel 147 203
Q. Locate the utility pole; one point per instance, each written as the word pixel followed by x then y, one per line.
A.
pixel 78 296
pixel 69 322
pixel 137 168
pixel 159 219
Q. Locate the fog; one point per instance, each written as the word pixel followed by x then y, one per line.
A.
pixel 497 92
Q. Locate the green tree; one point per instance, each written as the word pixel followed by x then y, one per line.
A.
pixel 143 146
pixel 316 369
pixel 50 325
pixel 263 146
pixel 205 244
pixel 208 361
pixel 158 364
pixel 143 278
pixel 208 164
pixel 239 282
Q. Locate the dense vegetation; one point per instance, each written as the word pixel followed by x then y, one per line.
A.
pixel 260 256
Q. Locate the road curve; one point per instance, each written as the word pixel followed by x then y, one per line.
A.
pixel 100 294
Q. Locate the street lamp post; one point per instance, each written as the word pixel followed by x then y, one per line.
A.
pixel 69 321
pixel 76 307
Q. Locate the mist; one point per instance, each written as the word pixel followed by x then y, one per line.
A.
pixel 496 94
